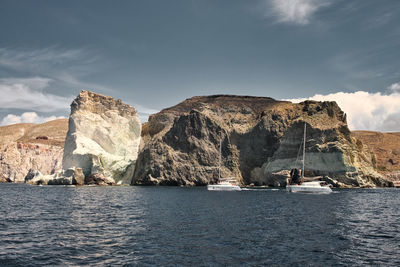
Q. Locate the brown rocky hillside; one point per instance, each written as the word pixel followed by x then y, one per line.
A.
pixel 55 131
pixel 386 147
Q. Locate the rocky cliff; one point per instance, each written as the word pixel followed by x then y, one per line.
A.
pixel 260 143
pixel 103 137
pixel 386 147
pixel 31 146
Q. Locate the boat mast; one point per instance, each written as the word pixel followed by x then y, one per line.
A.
pixel 220 152
pixel 304 150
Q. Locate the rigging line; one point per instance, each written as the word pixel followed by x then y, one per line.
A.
pixel 298 153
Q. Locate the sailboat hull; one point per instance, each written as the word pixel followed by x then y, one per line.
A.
pixel 223 187
pixel 309 187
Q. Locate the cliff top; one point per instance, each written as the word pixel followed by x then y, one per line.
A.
pixel 257 104
pixel 55 131
pixel 241 113
pixel 98 103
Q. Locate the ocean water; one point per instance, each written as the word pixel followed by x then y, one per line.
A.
pixel 172 226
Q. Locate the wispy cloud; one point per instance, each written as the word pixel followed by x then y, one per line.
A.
pixel 67 78
pixel 367 63
pixel 380 20
pixel 26 117
pixel 19 59
pixel 34 83
pixel 26 94
pixel 68 67
pixel 394 88
pixel 366 111
pixel 297 12
pixel 44 80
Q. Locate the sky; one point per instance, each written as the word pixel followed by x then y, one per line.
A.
pixel 155 54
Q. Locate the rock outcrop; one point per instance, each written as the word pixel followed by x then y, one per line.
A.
pixel 386 147
pixel 103 137
pixel 21 149
pixel 35 177
pixel 4 180
pixel 78 178
pixel 98 179
pixel 65 177
pixel 260 143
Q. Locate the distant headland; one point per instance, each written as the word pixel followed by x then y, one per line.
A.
pixel 104 143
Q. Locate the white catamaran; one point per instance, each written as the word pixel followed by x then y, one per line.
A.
pixel 223 184
pixel 311 186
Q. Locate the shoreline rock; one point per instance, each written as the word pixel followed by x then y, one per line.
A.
pixel 260 138
pixel 21 149
pixel 103 137
pixel 179 146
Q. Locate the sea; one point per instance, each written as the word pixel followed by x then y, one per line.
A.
pixel 178 226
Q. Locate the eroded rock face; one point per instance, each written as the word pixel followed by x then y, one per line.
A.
pixel 4 180
pixel 260 142
pixel 21 150
pixel 103 137
pixel 98 179
pixel 35 177
pixel 18 158
pixel 386 147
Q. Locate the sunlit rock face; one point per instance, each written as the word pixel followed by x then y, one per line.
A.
pixel 260 137
pixel 103 137
pixel 386 147
pixel 28 146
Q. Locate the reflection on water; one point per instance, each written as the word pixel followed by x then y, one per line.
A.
pixel 192 226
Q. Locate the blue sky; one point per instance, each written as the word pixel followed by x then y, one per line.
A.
pixel 154 54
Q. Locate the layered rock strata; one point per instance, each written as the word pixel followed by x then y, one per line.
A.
pixel 260 143
pixel 21 149
pixel 103 138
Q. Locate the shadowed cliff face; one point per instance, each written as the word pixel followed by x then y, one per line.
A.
pixel 261 137
pixel 186 154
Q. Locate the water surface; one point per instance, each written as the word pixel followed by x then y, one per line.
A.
pixel 109 226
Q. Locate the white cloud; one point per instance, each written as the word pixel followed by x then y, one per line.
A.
pixel 295 11
pixel 394 87
pixel 366 111
pixel 27 117
pixel 26 93
pixel 65 67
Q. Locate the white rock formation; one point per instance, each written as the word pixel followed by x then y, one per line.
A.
pixel 103 137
